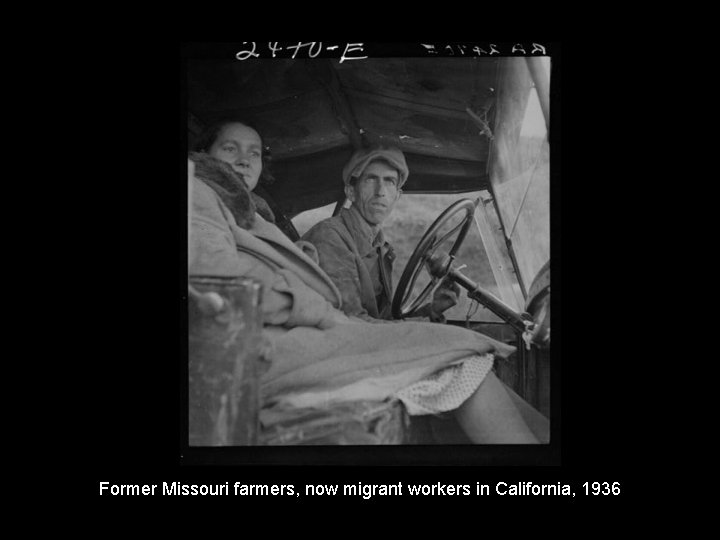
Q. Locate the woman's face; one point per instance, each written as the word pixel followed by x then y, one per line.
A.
pixel 241 147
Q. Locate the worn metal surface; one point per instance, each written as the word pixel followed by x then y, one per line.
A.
pixel 224 363
pixel 348 423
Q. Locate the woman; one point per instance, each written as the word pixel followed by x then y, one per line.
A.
pixel 317 354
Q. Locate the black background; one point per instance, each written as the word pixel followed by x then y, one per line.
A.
pixel 124 426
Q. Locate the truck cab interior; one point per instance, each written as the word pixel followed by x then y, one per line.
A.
pixel 475 133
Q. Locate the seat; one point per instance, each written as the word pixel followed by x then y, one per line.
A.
pixel 281 220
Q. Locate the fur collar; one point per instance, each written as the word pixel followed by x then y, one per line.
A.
pixel 231 189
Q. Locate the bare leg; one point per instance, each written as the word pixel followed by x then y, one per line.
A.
pixel 538 424
pixel 490 416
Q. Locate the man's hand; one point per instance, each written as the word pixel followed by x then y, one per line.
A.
pixel 445 297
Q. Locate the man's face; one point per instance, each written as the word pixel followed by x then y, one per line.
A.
pixel 375 193
pixel 241 147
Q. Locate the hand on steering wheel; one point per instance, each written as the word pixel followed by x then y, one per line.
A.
pixel 405 304
pixel 445 297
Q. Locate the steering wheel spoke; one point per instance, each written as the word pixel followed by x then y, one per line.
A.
pixel 411 285
pixel 424 294
pixel 445 237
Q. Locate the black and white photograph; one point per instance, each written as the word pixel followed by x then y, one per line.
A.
pixel 368 252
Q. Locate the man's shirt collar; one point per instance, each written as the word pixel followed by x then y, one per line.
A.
pixel 366 236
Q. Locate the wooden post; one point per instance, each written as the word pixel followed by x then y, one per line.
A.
pixel 509 293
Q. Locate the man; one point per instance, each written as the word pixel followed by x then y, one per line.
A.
pixel 351 246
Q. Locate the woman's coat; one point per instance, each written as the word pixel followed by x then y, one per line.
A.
pixel 307 351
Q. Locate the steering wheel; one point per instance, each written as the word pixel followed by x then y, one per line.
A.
pixel 403 304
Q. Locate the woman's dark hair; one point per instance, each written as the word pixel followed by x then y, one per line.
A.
pixel 210 134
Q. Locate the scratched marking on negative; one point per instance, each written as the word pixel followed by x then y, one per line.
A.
pixel 351 51
pixel 455 49
pixel 356 51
